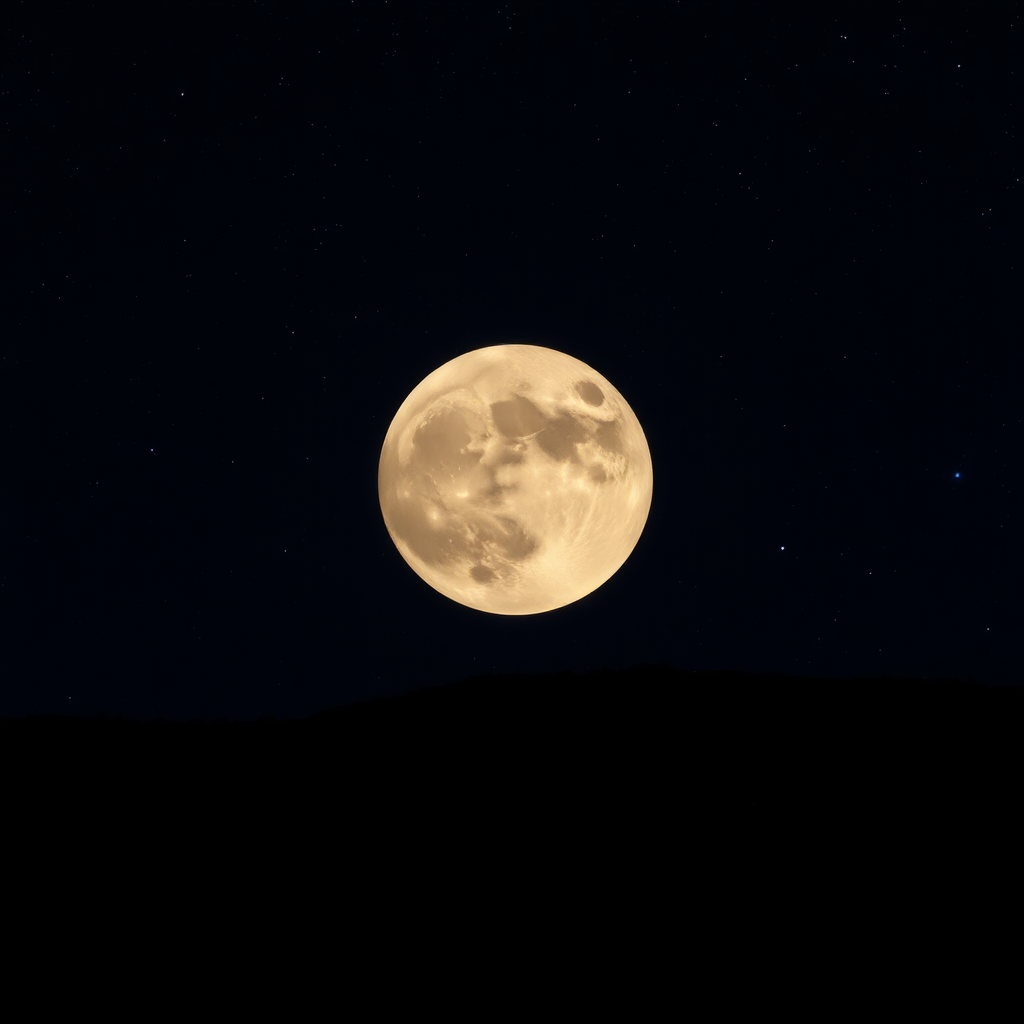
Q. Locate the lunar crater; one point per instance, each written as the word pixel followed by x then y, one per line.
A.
pixel 589 392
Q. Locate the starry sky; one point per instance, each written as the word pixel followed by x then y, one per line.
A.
pixel 238 234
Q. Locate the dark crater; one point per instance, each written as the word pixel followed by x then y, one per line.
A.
pixel 590 393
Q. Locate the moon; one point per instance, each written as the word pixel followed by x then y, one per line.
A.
pixel 515 479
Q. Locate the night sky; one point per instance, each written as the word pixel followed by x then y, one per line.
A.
pixel 237 235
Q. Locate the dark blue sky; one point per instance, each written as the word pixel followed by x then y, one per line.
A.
pixel 240 236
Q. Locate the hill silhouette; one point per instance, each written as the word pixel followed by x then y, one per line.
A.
pixel 719 737
pixel 750 817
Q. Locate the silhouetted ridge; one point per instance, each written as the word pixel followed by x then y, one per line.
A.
pixel 633 715
pixel 665 777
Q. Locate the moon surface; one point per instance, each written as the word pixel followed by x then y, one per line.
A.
pixel 515 479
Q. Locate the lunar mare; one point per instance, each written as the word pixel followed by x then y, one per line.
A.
pixel 515 479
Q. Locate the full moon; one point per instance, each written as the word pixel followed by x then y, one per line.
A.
pixel 515 479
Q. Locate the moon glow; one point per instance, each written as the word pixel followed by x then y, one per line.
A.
pixel 515 479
